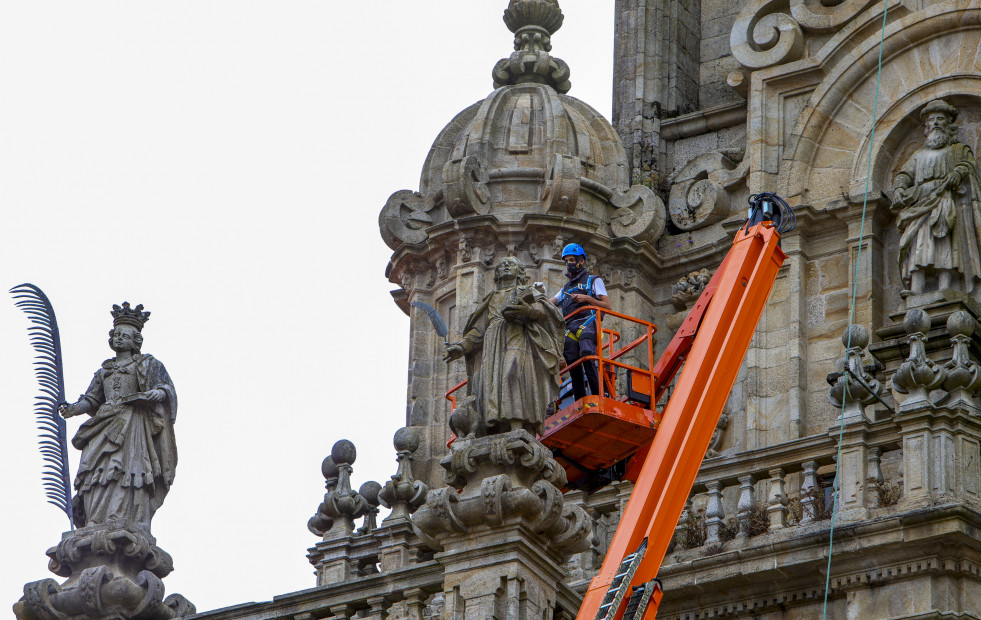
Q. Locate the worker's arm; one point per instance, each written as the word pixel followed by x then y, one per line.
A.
pixel 603 301
pixel 555 301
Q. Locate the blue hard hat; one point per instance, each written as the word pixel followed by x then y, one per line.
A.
pixel 573 249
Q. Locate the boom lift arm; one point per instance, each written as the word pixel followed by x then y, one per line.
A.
pixel 713 339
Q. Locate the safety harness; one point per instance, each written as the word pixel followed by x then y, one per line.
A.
pixel 586 288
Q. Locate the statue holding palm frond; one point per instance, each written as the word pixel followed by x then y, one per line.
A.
pixel 128 448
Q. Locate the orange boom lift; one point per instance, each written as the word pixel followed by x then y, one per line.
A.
pixel 602 437
pixel 711 343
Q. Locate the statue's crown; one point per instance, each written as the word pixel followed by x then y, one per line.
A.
pixel 129 316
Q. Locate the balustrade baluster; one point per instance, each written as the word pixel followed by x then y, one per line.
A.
pixel 777 500
pixel 809 493
pixel 747 502
pixel 715 513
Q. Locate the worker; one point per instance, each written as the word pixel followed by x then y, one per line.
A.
pixel 581 290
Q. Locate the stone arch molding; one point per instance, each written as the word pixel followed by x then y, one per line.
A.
pixel 932 53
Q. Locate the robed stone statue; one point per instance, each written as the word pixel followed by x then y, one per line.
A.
pixel 128 449
pixel 513 347
pixel 112 563
pixel 937 197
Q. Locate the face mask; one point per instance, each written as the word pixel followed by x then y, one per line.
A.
pixel 572 270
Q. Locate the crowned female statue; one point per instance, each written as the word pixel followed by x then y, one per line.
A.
pixel 128 448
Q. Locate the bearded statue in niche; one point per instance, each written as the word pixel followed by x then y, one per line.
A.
pixel 937 197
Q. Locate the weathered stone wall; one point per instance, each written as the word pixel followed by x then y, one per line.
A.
pixel 715 56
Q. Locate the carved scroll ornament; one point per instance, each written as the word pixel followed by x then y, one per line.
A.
pixel 762 37
pixel 698 196
pixel 765 35
pixel 826 15
pixel 465 187
pixel 639 215
pixel 404 219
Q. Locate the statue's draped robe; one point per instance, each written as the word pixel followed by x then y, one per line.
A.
pixel 940 228
pixel 515 365
pixel 128 450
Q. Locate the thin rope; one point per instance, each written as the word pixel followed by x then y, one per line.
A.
pixel 851 316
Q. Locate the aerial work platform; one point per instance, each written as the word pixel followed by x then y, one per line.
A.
pixel 621 434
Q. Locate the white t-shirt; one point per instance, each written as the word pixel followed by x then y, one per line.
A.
pixel 598 289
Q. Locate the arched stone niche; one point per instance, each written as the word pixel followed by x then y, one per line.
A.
pixel 928 54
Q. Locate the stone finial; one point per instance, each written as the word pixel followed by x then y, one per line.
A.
pixel 963 374
pixel 403 494
pixel 341 505
pixel 533 22
pixel 853 388
pixel 918 375
pixel 369 491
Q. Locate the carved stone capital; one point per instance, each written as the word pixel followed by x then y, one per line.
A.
pixel 100 594
pixel 107 544
pixel 501 480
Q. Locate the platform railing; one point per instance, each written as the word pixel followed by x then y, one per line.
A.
pixel 608 354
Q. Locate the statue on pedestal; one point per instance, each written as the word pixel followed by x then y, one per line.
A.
pixel 937 196
pixel 113 564
pixel 513 347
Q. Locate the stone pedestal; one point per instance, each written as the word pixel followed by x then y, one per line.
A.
pixel 502 527
pixel 940 455
pixel 504 572
pixel 114 572
pixel 853 470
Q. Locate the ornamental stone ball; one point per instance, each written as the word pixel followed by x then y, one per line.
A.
pixel 916 321
pixel 406 440
pixel 960 323
pixel 856 336
pixel 328 468
pixel 369 491
pixel 344 452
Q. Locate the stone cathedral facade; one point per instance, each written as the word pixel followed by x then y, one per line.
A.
pixel 856 412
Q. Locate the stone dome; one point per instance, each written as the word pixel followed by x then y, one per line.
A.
pixel 524 149
pixel 527 152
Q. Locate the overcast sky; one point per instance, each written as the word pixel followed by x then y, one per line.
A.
pixel 223 162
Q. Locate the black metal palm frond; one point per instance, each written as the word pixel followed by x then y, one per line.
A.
pixel 52 431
